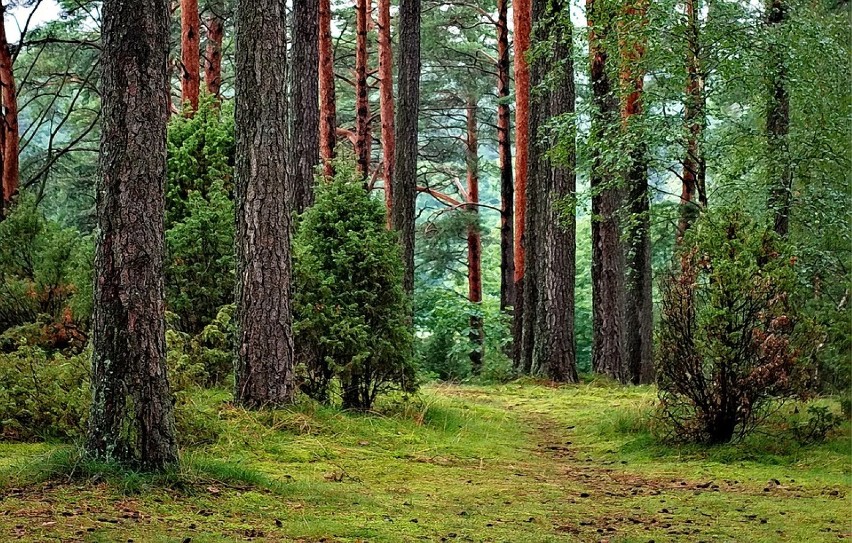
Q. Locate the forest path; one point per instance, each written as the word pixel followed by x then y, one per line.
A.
pixel 627 491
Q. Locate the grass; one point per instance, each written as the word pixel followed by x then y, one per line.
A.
pixel 512 463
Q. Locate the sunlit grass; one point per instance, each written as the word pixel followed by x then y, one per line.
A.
pixel 515 462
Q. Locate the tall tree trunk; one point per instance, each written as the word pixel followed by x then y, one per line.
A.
pixel 328 104
pixel 304 102
pixel 386 101
pixel 407 112
pixel 213 53
pixel 474 239
pixel 638 293
pixel 778 122
pixel 362 102
pixel 554 353
pixel 190 53
pixel 504 150
pixel 264 369
pixel 132 418
pixel 522 13
pixel 9 131
pixel 693 196
pixel 608 320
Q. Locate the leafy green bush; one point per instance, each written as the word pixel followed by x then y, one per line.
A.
pixel 351 313
pixel 200 265
pixel 729 342
pixel 444 342
pixel 44 270
pixel 205 359
pixel 200 155
pixel 43 395
pixel 819 424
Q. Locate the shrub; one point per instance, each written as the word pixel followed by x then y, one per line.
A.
pixel 729 339
pixel 351 313
pixel 43 395
pixel 819 424
pixel 44 270
pixel 200 263
pixel 444 343
pixel 200 155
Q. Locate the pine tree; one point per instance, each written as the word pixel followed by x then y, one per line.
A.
pixel 132 417
pixel 265 360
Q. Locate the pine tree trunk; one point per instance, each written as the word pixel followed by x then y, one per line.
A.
pixel 407 112
pixel 693 196
pixel 778 122
pixel 9 131
pixel 522 12
pixel 504 150
pixel 554 353
pixel 213 53
pixel 328 104
pixel 474 239
pixel 132 417
pixel 608 302
pixel 190 53
pixel 638 296
pixel 386 101
pixel 362 102
pixel 304 102
pixel 264 368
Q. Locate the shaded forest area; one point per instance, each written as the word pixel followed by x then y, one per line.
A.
pixel 254 250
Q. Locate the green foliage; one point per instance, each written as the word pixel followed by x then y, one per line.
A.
pixel 444 342
pixel 729 340
pixel 351 313
pixel 43 395
pixel 200 264
pixel 200 214
pixel 45 270
pixel 819 424
pixel 200 157
pixel 205 359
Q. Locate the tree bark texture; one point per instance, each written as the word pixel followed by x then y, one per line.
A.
pixel 304 102
pixel 638 313
pixel 608 279
pixel 407 112
pixel 264 367
pixel 362 102
pixel 386 101
pixel 190 53
pixel 474 239
pixel 132 418
pixel 554 352
pixel 778 123
pixel 504 150
pixel 9 132
pixel 328 102
pixel 693 196
pixel 213 51
pixel 522 13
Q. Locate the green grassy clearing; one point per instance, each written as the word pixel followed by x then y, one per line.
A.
pixel 518 462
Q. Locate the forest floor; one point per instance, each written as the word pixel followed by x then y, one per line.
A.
pixel 509 463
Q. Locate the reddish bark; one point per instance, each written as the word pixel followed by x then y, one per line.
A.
pixel 328 105
pixel 362 104
pixel 9 132
pixel 522 13
pixel 386 102
pixel 504 150
pixel 638 296
pixel 693 196
pixel 474 240
pixel 213 53
pixel 190 52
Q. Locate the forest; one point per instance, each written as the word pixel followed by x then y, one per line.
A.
pixel 425 270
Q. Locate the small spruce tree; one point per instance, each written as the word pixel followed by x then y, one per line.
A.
pixel 351 313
